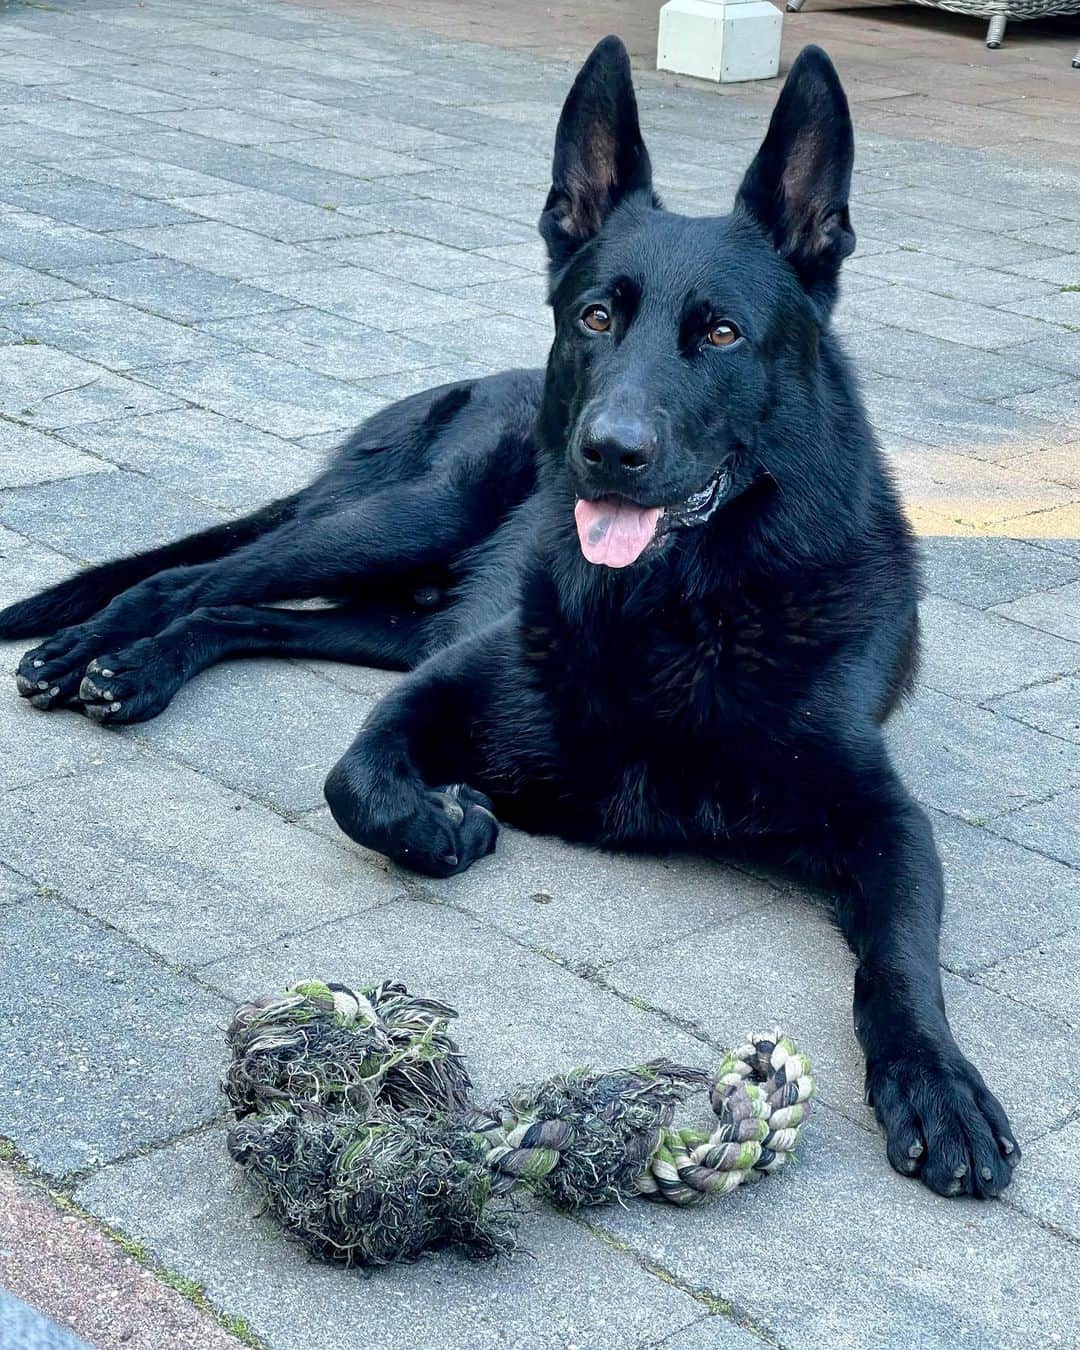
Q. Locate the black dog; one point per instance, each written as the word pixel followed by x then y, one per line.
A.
pixel 661 597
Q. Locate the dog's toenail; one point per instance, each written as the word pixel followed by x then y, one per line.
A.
pixel 114 707
pixel 1007 1145
pixel 986 1173
pixel 43 684
pixel 959 1171
pixel 54 690
pixel 37 664
pixel 108 674
pixel 450 859
pixel 915 1151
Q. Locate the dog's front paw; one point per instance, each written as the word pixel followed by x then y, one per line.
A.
pixel 941 1122
pixel 437 831
pixel 132 685
pixel 49 675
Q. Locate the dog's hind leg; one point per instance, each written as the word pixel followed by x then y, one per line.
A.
pixel 79 597
pixel 392 533
pixel 136 683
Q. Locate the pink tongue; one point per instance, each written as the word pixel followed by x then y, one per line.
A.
pixel 615 533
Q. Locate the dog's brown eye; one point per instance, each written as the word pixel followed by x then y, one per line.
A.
pixel 596 318
pixel 723 334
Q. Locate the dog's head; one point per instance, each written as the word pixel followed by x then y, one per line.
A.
pixel 676 338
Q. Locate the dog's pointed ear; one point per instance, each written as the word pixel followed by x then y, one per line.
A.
pixel 599 155
pixel 797 187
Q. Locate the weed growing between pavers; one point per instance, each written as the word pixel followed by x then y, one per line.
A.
pixel 355 1126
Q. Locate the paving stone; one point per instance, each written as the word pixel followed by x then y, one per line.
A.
pixel 453 224
pixel 984 572
pixel 1052 827
pixel 227 124
pixel 50 388
pixel 1053 707
pixel 92 208
pixel 969 491
pixel 1060 269
pixel 961 243
pixel 179 863
pixel 255 168
pixel 123 1070
pixel 405 257
pixel 939 316
pixel 380 301
pixel 103 515
pixel 1059 350
pixel 997 895
pixel 1043 977
pixel 38 241
pixel 120 96
pixel 28 567
pixel 591 907
pixel 348 158
pixel 271 214
pixel 391 387
pixel 27 456
pixel 175 290
pixel 313 723
pixel 148 177
pixel 208 1227
pixel 24 1326
pixel 201 454
pixel 328 344
pixel 944 276
pixel 901 1268
pixel 1059 402
pixel 1053 611
pixel 113 334
pixel 947 365
pixel 220 248
pixel 1060 307
pixel 523 297
pixel 500 341
pixel 1048 1184
pixel 273 395
pixel 955 421
pixel 24 285
pixel 975 655
pixel 532 256
pixel 972 762
pixel 522 1016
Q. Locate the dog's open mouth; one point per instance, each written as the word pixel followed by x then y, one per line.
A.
pixel 615 532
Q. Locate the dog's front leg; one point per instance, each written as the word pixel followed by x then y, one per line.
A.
pixel 941 1122
pixel 403 788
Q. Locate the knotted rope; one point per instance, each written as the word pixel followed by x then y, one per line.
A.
pixel 353 1120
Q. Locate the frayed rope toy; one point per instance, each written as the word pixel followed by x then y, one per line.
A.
pixel 354 1121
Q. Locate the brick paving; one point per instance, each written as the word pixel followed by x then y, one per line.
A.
pixel 229 229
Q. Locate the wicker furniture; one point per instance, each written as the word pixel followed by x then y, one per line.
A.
pixel 999 12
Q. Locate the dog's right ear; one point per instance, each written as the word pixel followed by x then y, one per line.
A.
pixel 599 155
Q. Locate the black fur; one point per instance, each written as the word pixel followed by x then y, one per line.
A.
pixel 723 692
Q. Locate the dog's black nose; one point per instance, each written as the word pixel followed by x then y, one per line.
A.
pixel 613 446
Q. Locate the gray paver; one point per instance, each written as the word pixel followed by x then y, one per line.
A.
pixel 220 248
pixel 49 388
pixel 201 454
pixel 174 289
pixel 447 223
pixel 24 285
pixel 126 1043
pixel 406 257
pixel 951 754
pixel 860 1279
pixel 1051 827
pixel 38 241
pixel 1053 707
pixel 113 334
pixel 575 1290
pixel 271 214
pixel 1043 977
pixel 29 456
pixel 274 395
pixel 1054 611
pixel 990 571
pixel 1049 1184
pixel 95 523
pixel 308 724
pixel 181 864
pixel 381 301
pixel 974 655
pixel 148 177
pixel 93 208
pixel 328 343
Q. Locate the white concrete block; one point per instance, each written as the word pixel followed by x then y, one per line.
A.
pixel 722 40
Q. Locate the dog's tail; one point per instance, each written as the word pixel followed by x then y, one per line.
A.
pixel 82 595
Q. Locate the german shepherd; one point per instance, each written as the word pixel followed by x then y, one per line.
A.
pixel 659 596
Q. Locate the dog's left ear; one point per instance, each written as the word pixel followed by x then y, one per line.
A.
pixel 797 187
pixel 599 155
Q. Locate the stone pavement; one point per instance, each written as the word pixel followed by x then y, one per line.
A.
pixel 229 229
